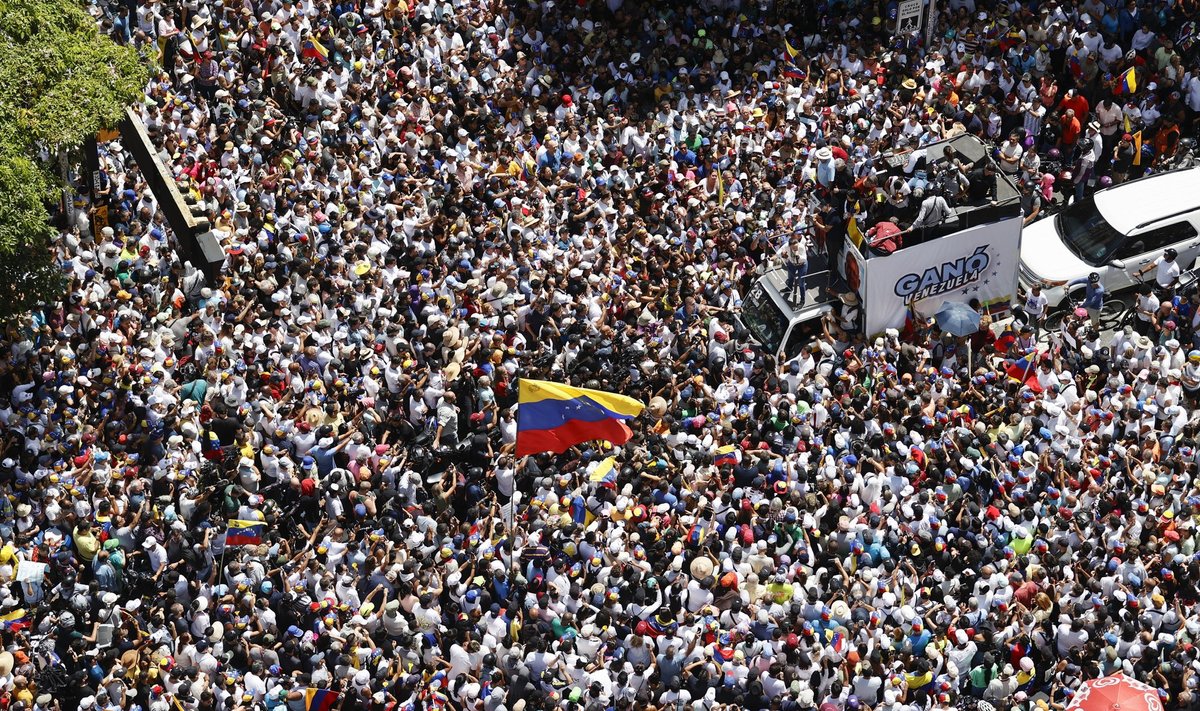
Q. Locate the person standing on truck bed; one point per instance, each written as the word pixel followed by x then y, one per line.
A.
pixel 795 259
pixel 934 209
pixel 1031 203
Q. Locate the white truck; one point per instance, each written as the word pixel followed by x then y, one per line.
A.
pixel 974 256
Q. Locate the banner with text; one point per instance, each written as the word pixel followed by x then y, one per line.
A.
pixel 977 263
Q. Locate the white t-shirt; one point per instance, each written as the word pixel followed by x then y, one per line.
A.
pixel 1166 272
pixel 1012 151
pixel 1035 304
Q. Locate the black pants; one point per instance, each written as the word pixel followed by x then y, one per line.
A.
pixel 1107 145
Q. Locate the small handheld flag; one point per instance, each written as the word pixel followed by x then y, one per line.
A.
pixel 244 533
pixel 605 473
pixel 319 699
pixel 726 455
pixel 1023 370
pixel 312 49
pixel 15 620
pixel 791 51
pixel 790 68
pixel 1127 82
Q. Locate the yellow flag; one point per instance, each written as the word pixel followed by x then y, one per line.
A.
pixel 1137 148
pixel 720 188
pixel 856 235
pixel 853 229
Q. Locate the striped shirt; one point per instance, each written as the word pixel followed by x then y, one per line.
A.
pixel 1034 116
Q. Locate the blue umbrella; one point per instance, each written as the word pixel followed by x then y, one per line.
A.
pixel 957 319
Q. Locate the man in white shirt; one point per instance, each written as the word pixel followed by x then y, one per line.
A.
pixel 1166 269
pixel 1036 304
pixel 1111 119
pixel 1010 155
pixel 795 259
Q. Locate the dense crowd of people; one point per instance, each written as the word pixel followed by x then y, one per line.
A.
pixel 422 204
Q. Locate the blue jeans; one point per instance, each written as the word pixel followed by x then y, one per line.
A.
pixel 796 274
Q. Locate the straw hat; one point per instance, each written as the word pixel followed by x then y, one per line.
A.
pixel 701 567
pixel 658 406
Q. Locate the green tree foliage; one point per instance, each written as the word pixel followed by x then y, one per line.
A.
pixel 60 82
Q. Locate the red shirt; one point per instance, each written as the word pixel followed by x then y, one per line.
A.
pixel 1078 103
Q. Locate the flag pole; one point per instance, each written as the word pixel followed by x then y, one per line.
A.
pixel 221 569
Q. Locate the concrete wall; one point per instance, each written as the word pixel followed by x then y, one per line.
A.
pixel 192 230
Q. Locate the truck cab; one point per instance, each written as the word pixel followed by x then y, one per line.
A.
pixel 780 326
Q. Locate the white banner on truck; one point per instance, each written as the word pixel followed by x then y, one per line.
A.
pixel 977 263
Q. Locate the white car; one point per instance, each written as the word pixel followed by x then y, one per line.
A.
pixel 1116 232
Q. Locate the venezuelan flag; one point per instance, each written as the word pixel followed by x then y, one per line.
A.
pixel 790 69
pixel 605 473
pixel 15 620
pixel 791 51
pixel 244 533
pixel 837 641
pixel 1127 83
pixel 1024 371
pixel 312 49
pixel 553 417
pixel 726 455
pixel 319 699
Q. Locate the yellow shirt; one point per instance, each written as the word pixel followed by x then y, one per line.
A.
pixel 86 544
pixel 780 592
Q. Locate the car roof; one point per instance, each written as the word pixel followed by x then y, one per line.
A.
pixel 1129 205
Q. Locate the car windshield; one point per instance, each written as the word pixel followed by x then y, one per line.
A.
pixel 1086 233
pixel 764 318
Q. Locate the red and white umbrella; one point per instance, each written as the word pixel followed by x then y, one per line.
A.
pixel 1116 693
